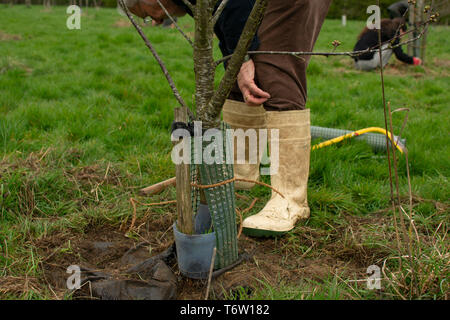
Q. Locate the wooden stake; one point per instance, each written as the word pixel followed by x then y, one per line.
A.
pixel 183 181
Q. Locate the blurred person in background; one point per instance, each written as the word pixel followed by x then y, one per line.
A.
pixel 398 9
pixel 391 32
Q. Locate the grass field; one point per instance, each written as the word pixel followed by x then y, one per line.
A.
pixel 84 124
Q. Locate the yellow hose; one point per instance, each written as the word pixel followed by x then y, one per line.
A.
pixel 358 133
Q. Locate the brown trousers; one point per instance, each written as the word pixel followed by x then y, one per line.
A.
pixel 288 25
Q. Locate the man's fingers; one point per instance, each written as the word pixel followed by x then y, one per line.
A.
pixel 252 100
pixel 255 91
pixel 254 96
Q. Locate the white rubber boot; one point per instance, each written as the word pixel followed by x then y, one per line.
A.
pixel 281 214
pixel 240 116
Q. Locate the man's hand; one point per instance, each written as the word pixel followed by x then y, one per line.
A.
pixel 417 61
pixel 253 95
pixel 151 8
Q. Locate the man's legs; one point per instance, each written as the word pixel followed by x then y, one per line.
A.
pixel 249 120
pixel 287 26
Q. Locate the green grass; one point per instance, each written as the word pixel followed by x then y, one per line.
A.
pixel 85 118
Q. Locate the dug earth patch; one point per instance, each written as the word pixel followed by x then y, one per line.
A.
pixel 105 253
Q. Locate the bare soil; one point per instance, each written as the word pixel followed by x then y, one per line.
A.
pixel 9 37
pixel 275 261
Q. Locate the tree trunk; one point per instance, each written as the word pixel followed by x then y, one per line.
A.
pixel 209 113
pixel 203 56
pixel 416 17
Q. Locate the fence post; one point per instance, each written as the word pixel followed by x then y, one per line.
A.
pixel 185 223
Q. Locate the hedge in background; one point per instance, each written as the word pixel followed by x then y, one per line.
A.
pixel 354 9
pixel 101 3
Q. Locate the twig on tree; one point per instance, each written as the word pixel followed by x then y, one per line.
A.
pixel 210 115
pixel 158 59
pixel 189 5
pixel 176 24
pixel 395 201
pixel 352 54
pixel 218 11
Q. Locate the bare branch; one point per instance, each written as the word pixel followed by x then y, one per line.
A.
pixel 211 114
pixel 176 24
pixel 189 5
pixel 158 59
pixel 218 11
pixel 347 53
